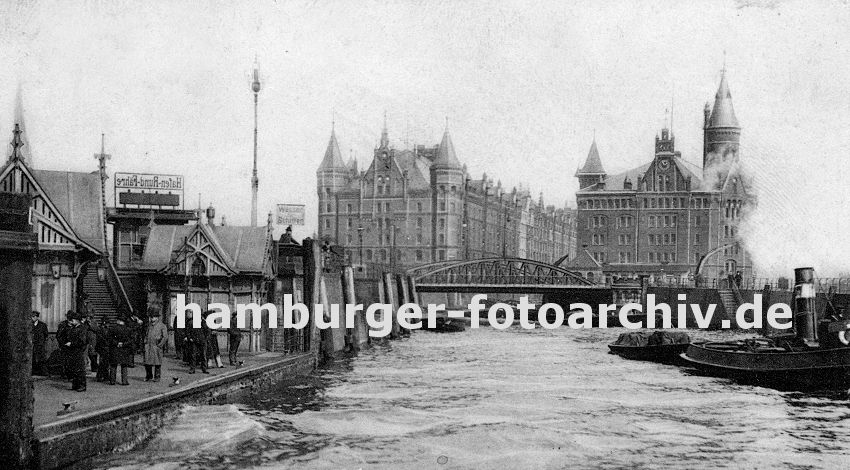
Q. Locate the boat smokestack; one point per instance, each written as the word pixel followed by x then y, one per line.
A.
pixel 805 320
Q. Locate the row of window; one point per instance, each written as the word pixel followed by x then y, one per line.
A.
pixel 659 239
pixel 647 203
pixel 654 257
pixel 382 255
pixel 657 221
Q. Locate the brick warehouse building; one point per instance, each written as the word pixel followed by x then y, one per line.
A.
pixel 411 207
pixel 663 217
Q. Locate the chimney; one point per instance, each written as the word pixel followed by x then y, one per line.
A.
pixel 210 215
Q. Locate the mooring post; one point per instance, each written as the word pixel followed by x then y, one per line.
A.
pixel 312 289
pixel 391 294
pixel 352 336
pixel 411 288
pixel 404 297
pixel 17 248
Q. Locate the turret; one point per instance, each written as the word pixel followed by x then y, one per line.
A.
pixel 332 174
pixel 447 185
pixel 721 131
pixel 446 171
pixel 592 171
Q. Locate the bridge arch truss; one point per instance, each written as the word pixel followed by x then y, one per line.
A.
pixel 496 272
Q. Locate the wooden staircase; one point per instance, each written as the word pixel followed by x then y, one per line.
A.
pixel 106 298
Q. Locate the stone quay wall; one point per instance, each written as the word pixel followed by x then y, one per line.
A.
pixel 121 427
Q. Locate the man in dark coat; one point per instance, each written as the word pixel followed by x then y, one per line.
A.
pixel 102 350
pixel 178 340
pixel 121 340
pixel 61 339
pixel 39 338
pixel 92 335
pixel 195 339
pixel 234 337
pixel 76 344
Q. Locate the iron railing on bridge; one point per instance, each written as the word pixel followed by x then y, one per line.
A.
pixel 839 285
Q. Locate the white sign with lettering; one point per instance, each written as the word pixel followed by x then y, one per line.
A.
pixel 150 182
pixel 290 214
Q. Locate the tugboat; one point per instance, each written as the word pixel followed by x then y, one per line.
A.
pixel 815 356
pixel 659 346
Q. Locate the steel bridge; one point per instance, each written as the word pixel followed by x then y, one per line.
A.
pixel 498 275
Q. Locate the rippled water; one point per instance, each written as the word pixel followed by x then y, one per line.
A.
pixel 520 399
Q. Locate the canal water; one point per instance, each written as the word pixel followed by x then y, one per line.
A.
pixel 524 399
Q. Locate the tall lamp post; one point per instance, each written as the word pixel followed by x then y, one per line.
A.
pixel 255 181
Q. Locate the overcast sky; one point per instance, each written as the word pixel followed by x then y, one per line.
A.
pixel 524 85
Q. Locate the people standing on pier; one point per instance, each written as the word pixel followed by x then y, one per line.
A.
pixel 39 338
pixel 195 342
pixel 76 344
pixel 156 338
pixel 120 350
pixel 234 337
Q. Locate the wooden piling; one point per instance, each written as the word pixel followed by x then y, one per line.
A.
pixel 17 249
pixel 391 294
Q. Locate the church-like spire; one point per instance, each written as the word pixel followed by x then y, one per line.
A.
pixel 16 144
pixel 723 114
pixel 333 157
pixel 592 164
pixel 385 138
pixel 21 149
pixel 446 152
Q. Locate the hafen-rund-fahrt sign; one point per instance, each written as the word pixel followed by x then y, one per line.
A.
pixel 149 182
pixel 290 214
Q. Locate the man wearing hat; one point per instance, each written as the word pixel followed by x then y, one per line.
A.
pixel 39 337
pixel 76 344
pixel 196 342
pixel 156 337
pixel 121 339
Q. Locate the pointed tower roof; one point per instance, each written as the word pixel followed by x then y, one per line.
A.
pixel 385 138
pixel 20 145
pixel 333 157
pixel 593 164
pixel 723 114
pixel 446 152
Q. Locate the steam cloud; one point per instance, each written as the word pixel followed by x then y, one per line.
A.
pixel 801 176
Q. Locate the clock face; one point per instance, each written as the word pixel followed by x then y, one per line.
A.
pixel 664 164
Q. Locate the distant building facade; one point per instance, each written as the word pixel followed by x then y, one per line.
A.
pixel 412 207
pixel 669 217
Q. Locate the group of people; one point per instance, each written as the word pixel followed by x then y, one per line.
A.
pixel 108 348
pixel 198 347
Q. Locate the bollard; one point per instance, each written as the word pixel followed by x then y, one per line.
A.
pixel 17 248
pixel 404 297
pixel 805 317
pixel 411 289
pixel 391 294
pixel 352 336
